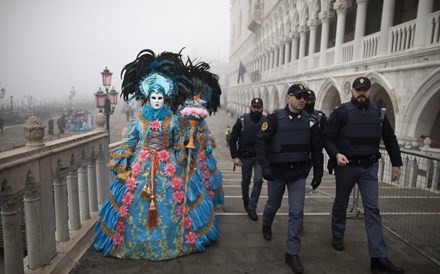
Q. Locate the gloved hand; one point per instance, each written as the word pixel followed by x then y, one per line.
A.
pixel 208 149
pixel 315 182
pixel 267 174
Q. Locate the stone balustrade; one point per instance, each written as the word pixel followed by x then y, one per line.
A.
pixel 54 188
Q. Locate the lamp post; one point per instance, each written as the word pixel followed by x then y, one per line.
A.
pixel 71 97
pixel 106 101
pixel 11 104
pixel 2 95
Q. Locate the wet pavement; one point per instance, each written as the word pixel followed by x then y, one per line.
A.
pixel 242 249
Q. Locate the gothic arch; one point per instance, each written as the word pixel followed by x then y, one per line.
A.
pixel 265 97
pixel 329 96
pixel 381 80
pixel 383 93
pixel 422 113
pixel 283 97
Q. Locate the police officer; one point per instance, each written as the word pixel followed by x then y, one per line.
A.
pixel 284 146
pixel 351 138
pixel 316 116
pixel 227 134
pixel 242 148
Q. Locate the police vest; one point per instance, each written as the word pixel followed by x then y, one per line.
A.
pixel 249 130
pixel 291 142
pixel 361 135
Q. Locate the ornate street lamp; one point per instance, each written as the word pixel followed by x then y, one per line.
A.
pixel 106 101
pixel 11 104
pixel 2 95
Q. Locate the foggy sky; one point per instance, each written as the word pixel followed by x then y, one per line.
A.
pixel 48 46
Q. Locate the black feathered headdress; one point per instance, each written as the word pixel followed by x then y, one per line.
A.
pixel 205 84
pixel 165 73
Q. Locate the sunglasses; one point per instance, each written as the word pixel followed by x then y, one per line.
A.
pixel 300 96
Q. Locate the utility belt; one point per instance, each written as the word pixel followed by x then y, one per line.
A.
pixel 292 165
pixel 246 154
pixel 364 160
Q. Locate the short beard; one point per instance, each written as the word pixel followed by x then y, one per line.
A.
pixel 256 115
pixel 363 104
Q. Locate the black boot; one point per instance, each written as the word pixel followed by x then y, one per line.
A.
pixel 294 263
pixel 245 204
pixel 384 265
pixel 338 244
pixel 252 214
pixel 267 233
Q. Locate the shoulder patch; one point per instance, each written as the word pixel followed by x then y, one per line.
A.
pixel 264 126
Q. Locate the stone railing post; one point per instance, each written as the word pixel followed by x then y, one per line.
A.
pixel 72 196
pixel 83 187
pixel 93 202
pixel 11 222
pixel 61 211
pixel 101 176
pixel 34 225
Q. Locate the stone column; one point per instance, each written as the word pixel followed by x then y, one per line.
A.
pixel 422 22
pixel 302 46
pixel 282 53
pixel 295 38
pixel 313 24
pixel 277 54
pixel 341 7
pixel 359 32
pixel 34 225
pixel 11 222
pixel 325 19
pixel 61 211
pixel 287 52
pixel 272 58
pixel 93 201
pixel 385 24
pixel 83 189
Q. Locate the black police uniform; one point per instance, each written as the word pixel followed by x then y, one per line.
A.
pixel 284 146
pixel 244 137
pixel 356 131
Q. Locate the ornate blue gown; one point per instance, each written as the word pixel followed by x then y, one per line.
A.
pixel 152 212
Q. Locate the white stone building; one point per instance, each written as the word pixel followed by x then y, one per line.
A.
pixel 326 44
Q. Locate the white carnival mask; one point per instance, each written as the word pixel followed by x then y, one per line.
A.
pixel 157 100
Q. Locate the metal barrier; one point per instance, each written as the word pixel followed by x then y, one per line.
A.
pixel 410 208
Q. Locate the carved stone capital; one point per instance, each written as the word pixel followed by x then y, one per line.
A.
pixel 9 202
pixel 302 29
pixel 341 5
pixel 32 189
pixel 34 132
pixel 326 15
pixel 313 23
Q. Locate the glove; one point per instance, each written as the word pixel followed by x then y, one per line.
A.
pixel 267 174
pixel 315 183
pixel 208 149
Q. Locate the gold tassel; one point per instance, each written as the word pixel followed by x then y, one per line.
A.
pixel 152 214
pixel 146 192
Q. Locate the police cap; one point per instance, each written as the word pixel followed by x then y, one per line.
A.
pixel 296 89
pixel 361 83
pixel 257 102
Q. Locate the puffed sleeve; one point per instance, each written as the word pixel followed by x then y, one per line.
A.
pixel 120 157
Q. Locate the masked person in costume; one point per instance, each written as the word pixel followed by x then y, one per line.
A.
pixel 147 214
pixel 196 145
